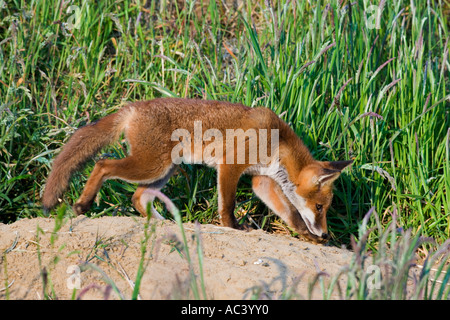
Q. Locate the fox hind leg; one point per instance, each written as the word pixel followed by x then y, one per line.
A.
pixel 141 199
pixel 129 169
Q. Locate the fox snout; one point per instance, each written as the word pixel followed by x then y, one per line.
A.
pixel 315 222
pixel 305 232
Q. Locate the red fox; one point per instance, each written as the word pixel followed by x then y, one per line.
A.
pixel 232 138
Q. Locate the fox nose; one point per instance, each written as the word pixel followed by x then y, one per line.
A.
pixel 325 236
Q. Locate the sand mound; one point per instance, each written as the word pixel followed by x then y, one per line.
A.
pixel 90 253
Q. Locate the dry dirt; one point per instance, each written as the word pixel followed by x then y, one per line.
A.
pixel 85 252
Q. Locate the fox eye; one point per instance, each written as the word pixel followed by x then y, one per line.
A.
pixel 319 207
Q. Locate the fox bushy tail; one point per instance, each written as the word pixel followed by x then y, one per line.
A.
pixel 81 147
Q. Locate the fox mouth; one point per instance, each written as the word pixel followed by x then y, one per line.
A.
pixel 312 227
pixel 316 231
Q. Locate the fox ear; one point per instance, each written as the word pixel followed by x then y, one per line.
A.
pixel 338 165
pixel 322 173
pixel 326 177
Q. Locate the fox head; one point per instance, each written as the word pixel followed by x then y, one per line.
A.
pixel 314 192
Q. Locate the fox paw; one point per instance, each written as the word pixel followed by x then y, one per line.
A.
pixel 80 208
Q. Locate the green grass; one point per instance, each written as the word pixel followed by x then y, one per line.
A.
pixel 378 96
pixel 393 272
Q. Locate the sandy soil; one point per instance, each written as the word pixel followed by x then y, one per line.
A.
pixel 86 252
